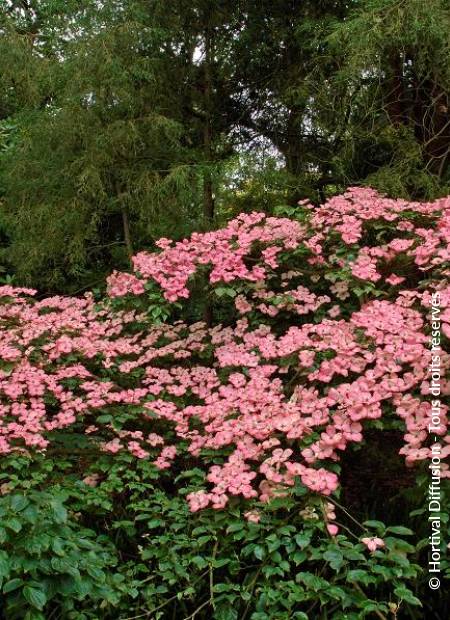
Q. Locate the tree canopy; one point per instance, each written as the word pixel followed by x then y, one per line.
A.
pixel 126 120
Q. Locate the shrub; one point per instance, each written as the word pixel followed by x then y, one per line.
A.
pixel 322 332
pixel 47 559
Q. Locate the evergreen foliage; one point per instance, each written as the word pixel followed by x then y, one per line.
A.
pixel 125 120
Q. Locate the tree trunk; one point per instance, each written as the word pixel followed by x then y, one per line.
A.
pixel 126 232
pixel 208 196
pixel 395 97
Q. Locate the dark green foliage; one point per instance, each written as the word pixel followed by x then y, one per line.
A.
pixel 126 120
pixel 47 558
pixel 391 90
pixel 104 150
pixel 129 546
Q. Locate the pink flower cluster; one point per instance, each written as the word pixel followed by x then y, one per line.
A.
pixel 277 400
pixel 223 251
pixel 352 214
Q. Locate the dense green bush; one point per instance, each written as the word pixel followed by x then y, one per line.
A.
pixel 130 547
pixel 49 560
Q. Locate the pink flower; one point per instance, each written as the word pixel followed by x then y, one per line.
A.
pixel 373 543
pixel 394 280
pixel 92 480
pixel 253 516
pixel 332 529
pixel 120 284
pixel 334 312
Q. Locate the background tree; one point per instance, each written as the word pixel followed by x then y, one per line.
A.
pixel 126 120
pixel 121 145
pixel 388 100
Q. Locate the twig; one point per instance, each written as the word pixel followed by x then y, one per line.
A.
pixel 346 528
pixel 375 611
pixel 333 501
pixel 211 575
pixel 194 613
pixel 172 598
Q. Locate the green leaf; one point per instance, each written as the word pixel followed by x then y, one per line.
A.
pixel 59 512
pixel 218 563
pixel 61 565
pixel 222 587
pixel 377 525
pixel 19 502
pixel 37 598
pixel 311 581
pixel 11 585
pixel 370 606
pixel 153 523
pixel 298 557
pixel 4 567
pixel 104 419
pixel 199 561
pixel 384 571
pixel 58 547
pixel 83 587
pixel 34 615
pixel 398 544
pixel 335 558
pixel 399 529
pixel 225 290
pixel 269 571
pixel 13 524
pixel 286 530
pixel 407 596
pixel 258 552
pixel 302 540
pixel 30 513
pixel 95 573
pixel 235 527
pixel 360 575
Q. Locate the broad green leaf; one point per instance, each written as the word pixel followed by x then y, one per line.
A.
pixel 36 597
pixel 19 502
pixel 11 585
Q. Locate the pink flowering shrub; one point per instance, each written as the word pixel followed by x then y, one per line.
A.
pixel 200 462
pixel 326 330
